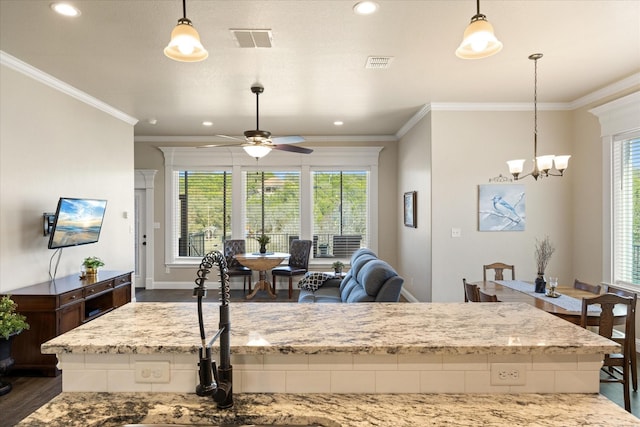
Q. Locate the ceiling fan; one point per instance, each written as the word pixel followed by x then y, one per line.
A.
pixel 258 143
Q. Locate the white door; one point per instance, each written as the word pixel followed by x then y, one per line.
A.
pixel 140 239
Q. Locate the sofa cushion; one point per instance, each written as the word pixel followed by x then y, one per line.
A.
pixel 374 274
pixel 312 280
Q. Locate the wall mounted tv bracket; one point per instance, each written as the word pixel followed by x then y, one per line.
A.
pixel 47 219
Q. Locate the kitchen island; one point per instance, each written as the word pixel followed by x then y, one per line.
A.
pixel 336 365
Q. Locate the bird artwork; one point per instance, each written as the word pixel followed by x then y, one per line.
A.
pixel 501 207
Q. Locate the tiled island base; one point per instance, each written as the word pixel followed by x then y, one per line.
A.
pixel 333 410
pixel 341 373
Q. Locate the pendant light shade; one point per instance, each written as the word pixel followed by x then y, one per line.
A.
pixel 185 43
pixel 479 41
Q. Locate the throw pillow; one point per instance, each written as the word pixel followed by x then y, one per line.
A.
pixel 312 280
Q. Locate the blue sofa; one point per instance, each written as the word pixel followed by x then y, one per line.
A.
pixel 369 280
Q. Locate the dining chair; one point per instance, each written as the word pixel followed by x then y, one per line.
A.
pixel 632 334
pixel 484 297
pixel 234 268
pixel 618 362
pixel 470 292
pixel 299 253
pixel 594 289
pixel 498 269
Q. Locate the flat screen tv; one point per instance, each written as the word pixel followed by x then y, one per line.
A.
pixel 77 222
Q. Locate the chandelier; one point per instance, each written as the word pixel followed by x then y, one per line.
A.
pixel 542 165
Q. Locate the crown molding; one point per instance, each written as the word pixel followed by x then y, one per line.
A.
pixel 48 80
pixel 225 141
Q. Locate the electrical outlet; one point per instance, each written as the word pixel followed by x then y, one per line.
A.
pixel 153 372
pixel 508 374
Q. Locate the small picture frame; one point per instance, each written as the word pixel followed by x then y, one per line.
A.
pixel 410 209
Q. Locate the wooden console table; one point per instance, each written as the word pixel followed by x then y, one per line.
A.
pixel 57 306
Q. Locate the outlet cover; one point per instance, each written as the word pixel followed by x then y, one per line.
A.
pixel 153 372
pixel 508 374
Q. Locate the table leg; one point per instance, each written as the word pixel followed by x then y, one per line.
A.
pixel 262 285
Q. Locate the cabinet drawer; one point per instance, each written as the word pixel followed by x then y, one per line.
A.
pixel 98 288
pixel 71 297
pixel 121 280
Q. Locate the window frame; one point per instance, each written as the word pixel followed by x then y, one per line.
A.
pixel 235 159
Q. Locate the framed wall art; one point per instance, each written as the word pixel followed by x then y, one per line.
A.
pixel 501 207
pixel 410 209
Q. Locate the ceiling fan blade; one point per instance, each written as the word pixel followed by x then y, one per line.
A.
pixel 292 148
pixel 230 137
pixel 287 139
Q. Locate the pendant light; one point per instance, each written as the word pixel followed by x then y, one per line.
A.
pixel 185 43
pixel 479 40
pixel 542 165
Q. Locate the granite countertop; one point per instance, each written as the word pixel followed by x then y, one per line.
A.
pixel 331 410
pixel 292 328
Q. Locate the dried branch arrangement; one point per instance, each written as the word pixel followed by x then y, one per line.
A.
pixel 544 250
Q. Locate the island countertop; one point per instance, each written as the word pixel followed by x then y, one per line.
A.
pixel 331 410
pixel 292 328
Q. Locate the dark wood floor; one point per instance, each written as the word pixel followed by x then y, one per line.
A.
pixel 31 392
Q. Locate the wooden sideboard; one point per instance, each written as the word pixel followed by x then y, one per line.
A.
pixel 57 306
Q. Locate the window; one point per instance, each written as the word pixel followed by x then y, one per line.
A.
pixel 626 210
pixel 272 205
pixel 203 210
pixel 340 204
pixel 329 197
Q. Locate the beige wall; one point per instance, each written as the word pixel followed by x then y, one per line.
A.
pixel 52 145
pixel 414 167
pixel 148 156
pixel 467 149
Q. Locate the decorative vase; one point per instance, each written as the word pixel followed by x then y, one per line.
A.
pixel 338 271
pixel 263 249
pixel 92 272
pixel 541 284
pixel 6 362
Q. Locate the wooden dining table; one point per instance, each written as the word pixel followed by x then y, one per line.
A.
pixel 545 303
pixel 262 263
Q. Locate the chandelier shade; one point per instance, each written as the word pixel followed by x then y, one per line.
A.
pixel 543 166
pixel 479 40
pixel 185 45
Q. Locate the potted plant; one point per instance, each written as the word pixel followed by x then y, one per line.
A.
pixel 263 239
pixel 11 324
pixel 337 267
pixel 91 265
pixel 544 250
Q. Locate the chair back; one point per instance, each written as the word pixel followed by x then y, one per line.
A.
pixel 594 289
pixel 606 320
pixel 231 248
pixel 487 297
pixel 471 292
pixel 300 251
pixel 498 268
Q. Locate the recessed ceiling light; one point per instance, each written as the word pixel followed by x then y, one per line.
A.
pixel 152 121
pixel 65 9
pixel 365 7
pixel 338 123
pixel 207 123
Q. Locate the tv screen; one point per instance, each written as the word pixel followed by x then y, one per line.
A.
pixel 77 222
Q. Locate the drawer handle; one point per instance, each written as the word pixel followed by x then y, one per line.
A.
pixel 74 296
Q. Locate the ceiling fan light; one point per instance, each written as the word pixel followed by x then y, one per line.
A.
pixel 479 41
pixel 185 43
pixel 257 151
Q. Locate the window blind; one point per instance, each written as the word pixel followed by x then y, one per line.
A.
pixel 626 209
pixel 203 212
pixel 272 207
pixel 340 212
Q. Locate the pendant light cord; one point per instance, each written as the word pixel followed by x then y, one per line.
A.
pixel 535 109
pixel 184 8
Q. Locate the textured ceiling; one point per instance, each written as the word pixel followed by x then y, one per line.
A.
pixel 315 72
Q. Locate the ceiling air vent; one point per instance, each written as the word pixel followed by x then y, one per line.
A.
pixel 379 62
pixel 252 38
